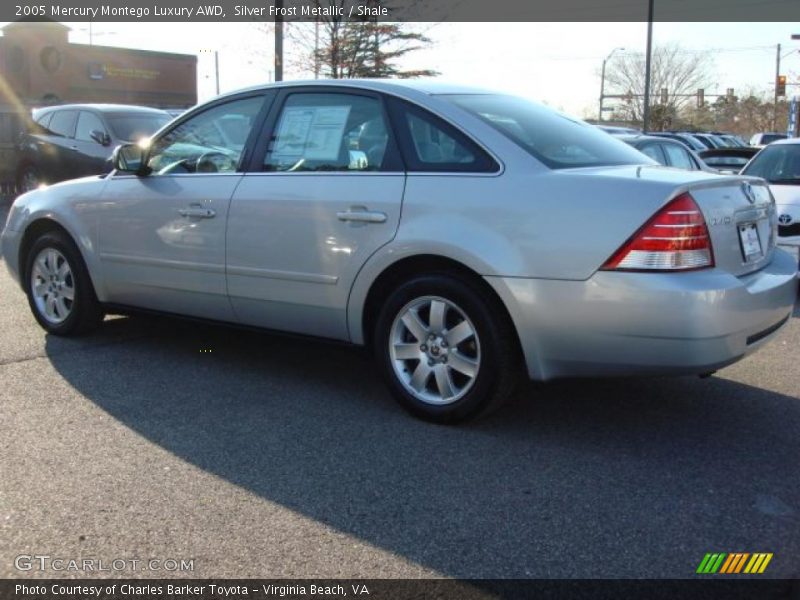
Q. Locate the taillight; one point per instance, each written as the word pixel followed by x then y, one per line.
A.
pixel 674 239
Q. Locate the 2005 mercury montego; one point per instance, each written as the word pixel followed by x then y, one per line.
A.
pixel 465 236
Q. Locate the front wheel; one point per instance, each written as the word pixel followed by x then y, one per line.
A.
pixel 59 290
pixel 446 350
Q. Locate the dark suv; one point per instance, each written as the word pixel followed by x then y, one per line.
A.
pixel 74 140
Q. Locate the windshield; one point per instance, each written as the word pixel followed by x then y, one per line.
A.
pixel 777 164
pixel 133 127
pixel 555 139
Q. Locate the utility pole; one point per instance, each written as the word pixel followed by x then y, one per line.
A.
pixel 646 115
pixel 777 74
pixel 216 69
pixel 603 82
pixel 316 48
pixel 279 40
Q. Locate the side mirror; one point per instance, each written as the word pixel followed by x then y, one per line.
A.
pixel 130 158
pixel 101 137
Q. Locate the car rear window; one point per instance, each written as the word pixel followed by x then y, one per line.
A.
pixel 557 140
pixel 133 127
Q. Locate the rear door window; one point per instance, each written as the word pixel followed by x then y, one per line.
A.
pixel 430 144
pixel 63 123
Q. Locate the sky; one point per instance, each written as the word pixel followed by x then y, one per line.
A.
pixel 555 63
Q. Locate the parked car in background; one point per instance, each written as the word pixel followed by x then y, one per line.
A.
pixel 764 138
pixel 687 140
pixel 727 160
pixel 734 141
pixel 478 236
pixel 665 151
pixel 779 164
pixel 707 140
pixel 74 140
pixel 722 140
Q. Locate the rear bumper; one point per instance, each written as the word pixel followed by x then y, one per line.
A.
pixel 647 323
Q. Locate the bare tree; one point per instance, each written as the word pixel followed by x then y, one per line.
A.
pixel 678 72
pixel 336 47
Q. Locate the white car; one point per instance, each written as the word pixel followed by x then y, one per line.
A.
pixel 759 140
pixel 779 164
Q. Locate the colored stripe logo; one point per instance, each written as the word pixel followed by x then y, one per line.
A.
pixel 733 563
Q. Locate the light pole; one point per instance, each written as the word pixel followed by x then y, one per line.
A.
pixel 647 62
pixel 279 40
pixel 216 67
pixel 603 82
pixel 778 58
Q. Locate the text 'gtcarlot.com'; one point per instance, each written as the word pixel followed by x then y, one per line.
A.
pixel 43 562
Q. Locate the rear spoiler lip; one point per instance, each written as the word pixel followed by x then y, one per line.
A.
pixel 719 181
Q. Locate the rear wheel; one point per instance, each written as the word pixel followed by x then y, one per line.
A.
pixel 447 351
pixel 29 179
pixel 58 286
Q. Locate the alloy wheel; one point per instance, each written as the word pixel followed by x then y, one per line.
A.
pixel 52 286
pixel 435 351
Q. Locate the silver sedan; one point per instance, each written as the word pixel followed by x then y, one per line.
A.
pixel 465 236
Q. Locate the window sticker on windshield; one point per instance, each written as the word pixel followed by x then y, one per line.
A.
pixel 311 133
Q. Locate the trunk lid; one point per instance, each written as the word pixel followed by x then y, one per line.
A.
pixel 739 211
pixel 742 222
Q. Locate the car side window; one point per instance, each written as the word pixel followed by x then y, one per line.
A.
pixel 678 157
pixel 430 144
pixel 654 152
pixel 329 132
pixel 212 141
pixel 63 123
pixel 44 120
pixel 88 122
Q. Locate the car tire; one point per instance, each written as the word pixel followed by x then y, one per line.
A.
pixel 29 179
pixel 59 289
pixel 446 348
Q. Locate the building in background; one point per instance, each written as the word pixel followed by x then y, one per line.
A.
pixel 38 65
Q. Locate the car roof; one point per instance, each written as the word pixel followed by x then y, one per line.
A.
pixel 647 138
pixel 426 86
pixel 106 108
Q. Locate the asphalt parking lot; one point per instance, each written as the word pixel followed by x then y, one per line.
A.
pixel 258 455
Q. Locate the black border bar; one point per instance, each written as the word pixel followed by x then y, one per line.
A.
pixel 403 10
pixel 707 588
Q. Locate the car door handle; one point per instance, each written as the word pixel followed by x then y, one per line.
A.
pixel 361 216
pixel 197 212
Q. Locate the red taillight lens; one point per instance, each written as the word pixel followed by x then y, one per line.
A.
pixel 675 239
